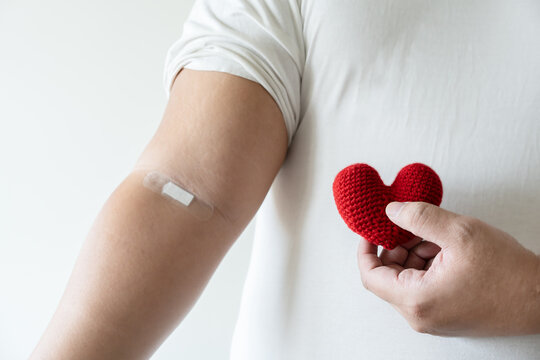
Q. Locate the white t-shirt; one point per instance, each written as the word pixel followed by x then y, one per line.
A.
pixel 452 84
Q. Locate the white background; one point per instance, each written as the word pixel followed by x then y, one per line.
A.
pixel 80 95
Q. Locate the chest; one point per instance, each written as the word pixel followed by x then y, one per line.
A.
pixel 462 58
pixel 455 85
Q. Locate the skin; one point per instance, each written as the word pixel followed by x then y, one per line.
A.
pixel 146 260
pixel 467 279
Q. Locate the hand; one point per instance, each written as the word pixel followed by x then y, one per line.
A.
pixel 467 279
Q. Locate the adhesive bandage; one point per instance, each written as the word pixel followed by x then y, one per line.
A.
pixel 177 194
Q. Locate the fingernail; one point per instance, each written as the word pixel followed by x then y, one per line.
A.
pixel 393 209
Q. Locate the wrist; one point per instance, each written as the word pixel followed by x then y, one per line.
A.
pixel 526 309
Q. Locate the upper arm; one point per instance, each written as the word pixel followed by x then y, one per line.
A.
pixel 223 137
pixel 228 123
pixel 235 104
pixel 145 261
pixel 260 40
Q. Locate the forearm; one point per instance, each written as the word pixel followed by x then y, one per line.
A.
pixel 146 260
pixel 142 267
pixel 534 303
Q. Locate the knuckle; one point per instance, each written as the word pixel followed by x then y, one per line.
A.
pixel 465 228
pixel 365 282
pixel 420 318
pixel 419 327
pixel 423 313
pixel 422 327
pixel 418 311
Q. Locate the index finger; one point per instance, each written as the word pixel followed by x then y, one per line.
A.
pixel 387 282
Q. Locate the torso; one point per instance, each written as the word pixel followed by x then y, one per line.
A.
pixel 454 85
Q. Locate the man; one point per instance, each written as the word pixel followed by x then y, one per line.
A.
pixel 305 88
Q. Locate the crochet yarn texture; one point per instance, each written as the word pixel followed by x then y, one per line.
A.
pixel 361 198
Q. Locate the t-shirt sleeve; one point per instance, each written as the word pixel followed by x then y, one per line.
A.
pixel 260 40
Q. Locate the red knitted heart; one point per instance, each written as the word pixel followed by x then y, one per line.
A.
pixel 361 198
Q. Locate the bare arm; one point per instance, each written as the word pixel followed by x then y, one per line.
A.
pixel 146 261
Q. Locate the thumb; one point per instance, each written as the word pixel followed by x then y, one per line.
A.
pixel 425 220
